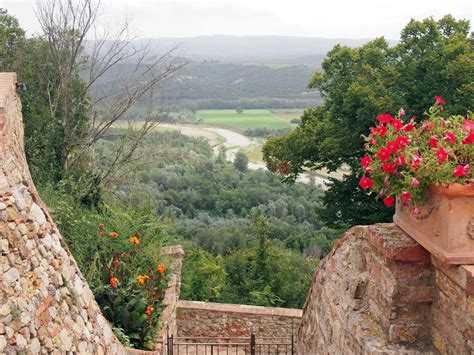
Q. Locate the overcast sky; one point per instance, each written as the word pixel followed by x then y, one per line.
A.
pixel 310 18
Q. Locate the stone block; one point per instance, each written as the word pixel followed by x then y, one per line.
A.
pixel 405 333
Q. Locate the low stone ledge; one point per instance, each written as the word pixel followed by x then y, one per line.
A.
pixel 392 243
pixel 202 319
pixel 462 275
pixel 240 308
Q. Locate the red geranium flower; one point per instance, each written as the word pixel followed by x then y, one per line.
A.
pixel 408 127
pixel 469 139
pixel 450 137
pixel 417 159
pixel 366 182
pixel 427 125
pixel 433 141
pixel 406 196
pixel 365 161
pixel 397 124
pixel 402 141
pixel 442 155
pixel 383 154
pixel 388 167
pixel 388 201
pixel 392 146
pixel 468 125
pixel 439 100
pixel 372 141
pixel 414 182
pixel 385 118
pixel 382 131
pixel 401 112
pixel 401 160
pixel 462 170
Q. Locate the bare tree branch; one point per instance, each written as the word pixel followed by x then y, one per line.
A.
pixel 77 45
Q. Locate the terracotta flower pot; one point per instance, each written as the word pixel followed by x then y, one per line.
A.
pixel 445 224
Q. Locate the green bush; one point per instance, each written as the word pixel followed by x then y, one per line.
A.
pixel 113 246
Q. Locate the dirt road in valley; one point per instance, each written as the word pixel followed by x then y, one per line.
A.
pixel 233 141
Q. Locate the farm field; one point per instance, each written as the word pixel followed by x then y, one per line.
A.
pixel 248 119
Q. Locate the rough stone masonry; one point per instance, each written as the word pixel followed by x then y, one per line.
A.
pixel 380 292
pixel 46 305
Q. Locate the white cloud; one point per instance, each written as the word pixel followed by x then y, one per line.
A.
pixel 328 18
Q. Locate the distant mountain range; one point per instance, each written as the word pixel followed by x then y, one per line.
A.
pixel 232 71
pixel 254 49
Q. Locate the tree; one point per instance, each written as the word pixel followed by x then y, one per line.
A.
pixel 357 85
pixel 241 161
pixel 239 110
pixel 76 73
pixel 11 37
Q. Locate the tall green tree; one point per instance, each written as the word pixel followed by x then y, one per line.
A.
pixel 433 57
pixel 11 37
pixel 241 161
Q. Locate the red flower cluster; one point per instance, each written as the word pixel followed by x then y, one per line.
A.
pixel 404 159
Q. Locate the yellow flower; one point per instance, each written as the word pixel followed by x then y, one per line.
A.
pixel 134 240
pixel 160 268
pixel 149 310
pixel 113 282
pixel 141 279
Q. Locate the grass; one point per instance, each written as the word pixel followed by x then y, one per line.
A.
pixel 254 151
pixel 247 119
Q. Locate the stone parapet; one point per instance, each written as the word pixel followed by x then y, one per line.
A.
pixel 392 297
pixel 206 319
pixel 372 293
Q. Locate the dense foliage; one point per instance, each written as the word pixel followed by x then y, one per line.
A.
pixel 116 249
pixel 213 206
pixel 228 86
pixel 432 58
pixel 404 160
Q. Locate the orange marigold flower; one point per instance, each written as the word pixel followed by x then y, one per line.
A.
pixel 147 277
pixel 113 282
pixel 141 279
pixel 101 234
pixel 101 225
pixel 149 310
pixel 160 268
pixel 113 234
pixel 134 240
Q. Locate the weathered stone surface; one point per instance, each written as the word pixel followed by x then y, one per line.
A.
pixel 198 319
pixel 11 276
pixel 34 318
pixel 410 303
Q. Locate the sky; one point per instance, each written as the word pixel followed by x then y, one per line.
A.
pixel 308 18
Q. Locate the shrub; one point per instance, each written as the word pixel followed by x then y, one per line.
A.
pixel 97 238
pixel 132 288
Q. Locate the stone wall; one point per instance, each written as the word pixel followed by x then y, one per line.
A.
pixel 379 291
pixel 46 305
pixel 202 319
